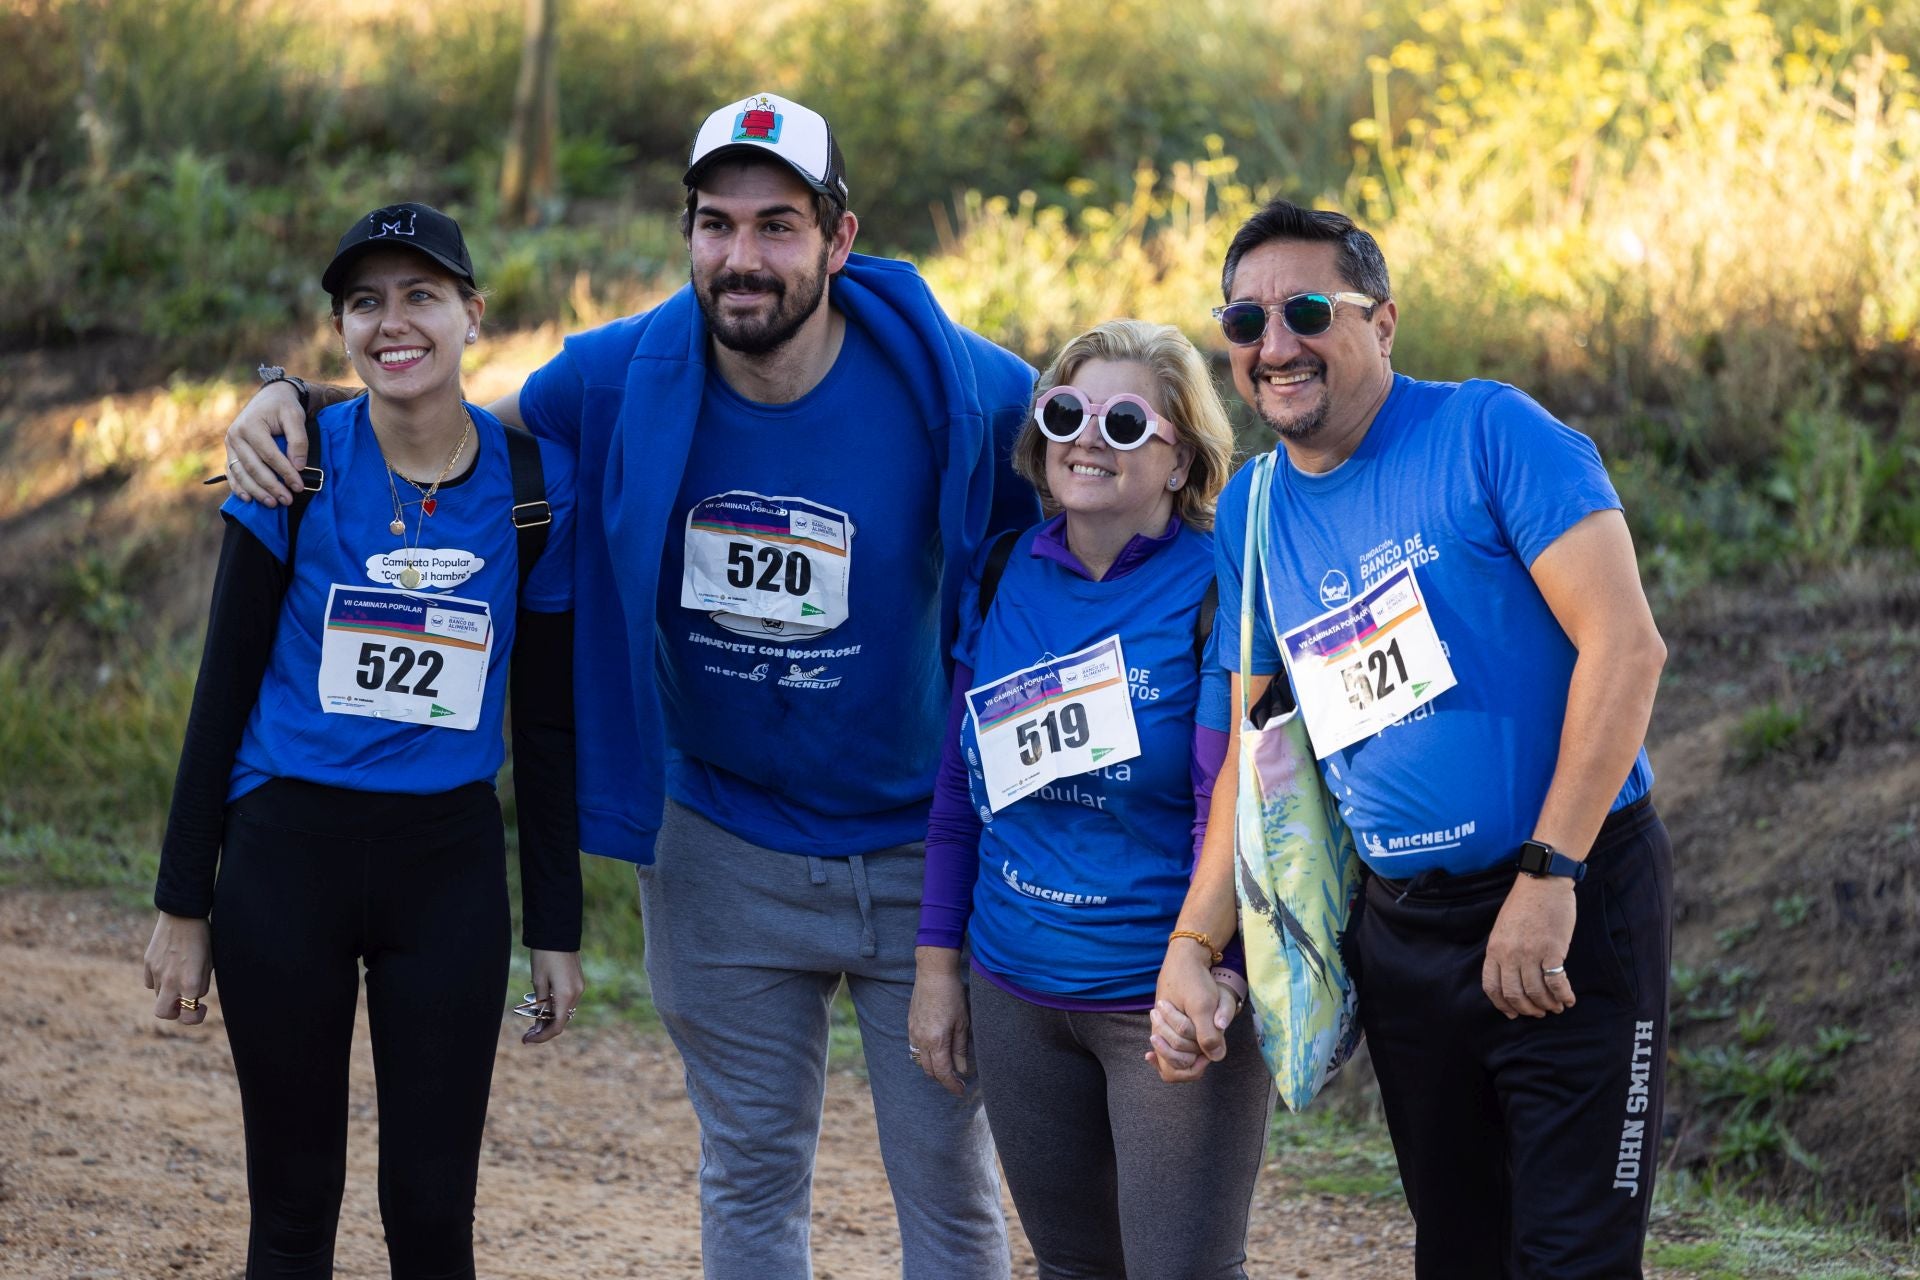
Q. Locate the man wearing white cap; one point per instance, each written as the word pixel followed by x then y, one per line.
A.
pixel 779 499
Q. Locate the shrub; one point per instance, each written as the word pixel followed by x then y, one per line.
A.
pixel 1767 731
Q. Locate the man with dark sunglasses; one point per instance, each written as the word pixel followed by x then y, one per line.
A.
pixel 767 576
pixel 1457 612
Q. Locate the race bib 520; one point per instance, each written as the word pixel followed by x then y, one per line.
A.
pixel 752 560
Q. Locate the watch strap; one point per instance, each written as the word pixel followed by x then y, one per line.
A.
pixel 1540 859
pixel 272 373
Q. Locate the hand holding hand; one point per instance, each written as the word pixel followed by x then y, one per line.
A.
pixel 558 981
pixel 1524 972
pixel 1190 1014
pixel 179 968
pixel 938 1021
pixel 256 468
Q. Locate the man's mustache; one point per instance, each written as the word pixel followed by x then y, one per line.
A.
pixel 1299 364
pixel 732 281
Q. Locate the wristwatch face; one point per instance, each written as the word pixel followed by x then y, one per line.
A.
pixel 1535 858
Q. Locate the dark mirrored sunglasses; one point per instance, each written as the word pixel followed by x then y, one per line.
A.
pixel 1306 315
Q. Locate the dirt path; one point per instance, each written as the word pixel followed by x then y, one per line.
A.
pixel 121 1153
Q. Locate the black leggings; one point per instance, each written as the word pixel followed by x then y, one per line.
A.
pixel 314 880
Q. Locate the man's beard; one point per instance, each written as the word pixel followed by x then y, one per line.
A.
pixel 753 336
pixel 1305 426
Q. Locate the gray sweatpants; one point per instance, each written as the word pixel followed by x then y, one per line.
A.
pixel 745 948
pixel 1117 1174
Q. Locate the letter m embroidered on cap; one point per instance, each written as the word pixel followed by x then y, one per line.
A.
pixel 391 222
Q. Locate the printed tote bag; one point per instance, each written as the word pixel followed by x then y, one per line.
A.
pixel 1296 874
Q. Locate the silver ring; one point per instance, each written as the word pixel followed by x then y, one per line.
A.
pixel 1557 969
pixel 913 1053
pixel 232 463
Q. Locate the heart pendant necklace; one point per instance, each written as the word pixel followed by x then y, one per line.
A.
pixel 428 501
pixel 410 572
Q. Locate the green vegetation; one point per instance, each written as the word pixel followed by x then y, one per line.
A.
pixel 1792 911
pixel 1766 731
pixel 1689 228
pixel 1706 1230
pixel 1709 995
pixel 1692 229
pixel 1328 1151
pixel 89 759
pixel 1746 1093
pixel 1703 1226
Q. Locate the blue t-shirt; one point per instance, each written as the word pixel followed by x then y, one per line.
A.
pixel 832 735
pixel 1080 881
pixel 467 549
pixel 1468 483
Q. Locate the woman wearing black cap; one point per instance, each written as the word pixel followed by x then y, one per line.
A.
pixel 335 806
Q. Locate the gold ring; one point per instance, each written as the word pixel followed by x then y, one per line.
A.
pixel 188 1002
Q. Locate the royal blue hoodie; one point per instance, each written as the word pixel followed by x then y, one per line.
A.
pixel 626 396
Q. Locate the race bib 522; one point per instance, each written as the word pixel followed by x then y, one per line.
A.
pixel 400 655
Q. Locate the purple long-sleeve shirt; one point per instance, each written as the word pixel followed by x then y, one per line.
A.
pixel 953 828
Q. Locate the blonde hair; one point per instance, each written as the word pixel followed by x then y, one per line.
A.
pixel 1193 408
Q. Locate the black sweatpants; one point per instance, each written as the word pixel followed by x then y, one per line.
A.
pixel 313 881
pixel 1527 1146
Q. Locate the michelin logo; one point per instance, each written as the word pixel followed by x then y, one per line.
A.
pixel 1062 896
pixel 799 677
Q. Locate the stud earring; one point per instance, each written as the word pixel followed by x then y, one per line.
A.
pixel 473 335
pixel 1173 482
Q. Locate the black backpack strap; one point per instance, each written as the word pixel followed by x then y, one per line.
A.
pixel 1203 625
pixel 314 477
pixel 996 565
pixel 531 514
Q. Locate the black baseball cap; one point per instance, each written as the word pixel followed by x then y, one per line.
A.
pixel 419 227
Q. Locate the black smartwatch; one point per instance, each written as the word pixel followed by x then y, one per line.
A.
pixel 272 373
pixel 1540 860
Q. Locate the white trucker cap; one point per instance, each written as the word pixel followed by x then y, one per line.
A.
pixel 768 124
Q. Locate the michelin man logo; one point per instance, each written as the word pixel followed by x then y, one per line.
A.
pixel 1374 847
pixel 401 225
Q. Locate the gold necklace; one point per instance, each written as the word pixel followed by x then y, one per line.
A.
pixel 410 572
pixel 426 499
